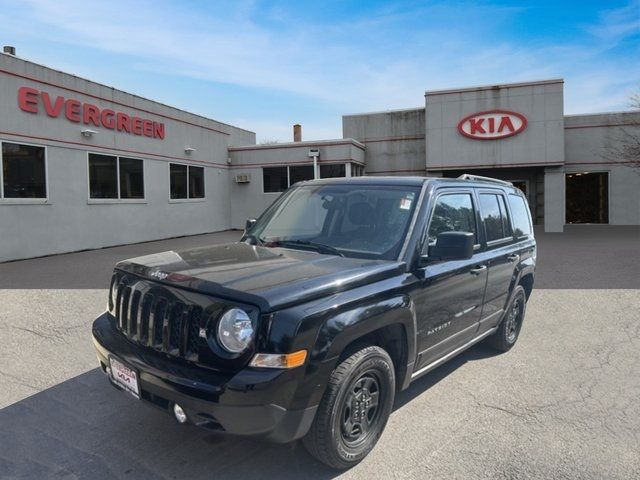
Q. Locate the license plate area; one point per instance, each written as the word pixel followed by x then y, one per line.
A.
pixel 124 376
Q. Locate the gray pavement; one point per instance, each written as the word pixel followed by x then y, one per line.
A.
pixel 562 404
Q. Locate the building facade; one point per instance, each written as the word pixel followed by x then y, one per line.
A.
pixel 88 166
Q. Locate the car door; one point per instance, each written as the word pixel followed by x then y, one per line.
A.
pixel 449 297
pixel 498 254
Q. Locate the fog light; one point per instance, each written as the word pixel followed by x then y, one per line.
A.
pixel 181 417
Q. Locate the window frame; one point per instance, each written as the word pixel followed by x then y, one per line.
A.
pixel 424 250
pixel 204 183
pixel 25 201
pixel 106 201
pixel 498 241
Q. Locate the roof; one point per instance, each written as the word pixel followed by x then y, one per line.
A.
pixel 406 181
pixel 306 143
pixel 494 87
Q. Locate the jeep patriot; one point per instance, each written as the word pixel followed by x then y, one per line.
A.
pixel 335 299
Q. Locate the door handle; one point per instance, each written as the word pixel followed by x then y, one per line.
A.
pixel 513 257
pixel 478 270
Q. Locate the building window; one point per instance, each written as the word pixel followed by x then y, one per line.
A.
pixel 278 179
pixel 23 171
pixel 196 182
pixel 275 179
pixel 332 171
pixel 300 173
pixel 357 170
pixel 186 181
pixel 113 178
pixel 587 197
pixel 131 178
pixel 494 214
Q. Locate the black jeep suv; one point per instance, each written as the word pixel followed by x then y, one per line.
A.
pixel 336 298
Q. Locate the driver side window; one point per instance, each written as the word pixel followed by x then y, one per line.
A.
pixel 452 213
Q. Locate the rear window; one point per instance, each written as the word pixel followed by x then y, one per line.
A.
pixel 521 219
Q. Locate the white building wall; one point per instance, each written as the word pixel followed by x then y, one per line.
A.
pixel 68 220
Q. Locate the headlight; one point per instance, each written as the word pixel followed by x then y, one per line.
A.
pixel 235 330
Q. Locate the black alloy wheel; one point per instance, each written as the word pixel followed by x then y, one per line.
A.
pixel 508 331
pixel 354 409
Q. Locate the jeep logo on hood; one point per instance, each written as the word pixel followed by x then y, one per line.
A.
pixel 492 125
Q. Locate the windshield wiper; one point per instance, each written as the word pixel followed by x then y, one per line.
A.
pixel 319 247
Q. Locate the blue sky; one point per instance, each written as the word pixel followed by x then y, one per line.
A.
pixel 267 65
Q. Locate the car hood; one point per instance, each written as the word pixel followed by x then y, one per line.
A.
pixel 270 278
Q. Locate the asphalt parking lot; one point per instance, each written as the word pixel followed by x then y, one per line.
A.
pixel 562 404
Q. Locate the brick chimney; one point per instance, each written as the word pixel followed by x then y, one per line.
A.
pixel 297 132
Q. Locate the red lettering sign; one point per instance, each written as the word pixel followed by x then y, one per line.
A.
pixel 492 125
pixel 76 111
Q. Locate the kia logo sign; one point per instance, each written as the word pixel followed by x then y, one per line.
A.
pixel 492 125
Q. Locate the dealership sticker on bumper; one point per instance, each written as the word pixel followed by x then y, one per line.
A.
pixel 124 377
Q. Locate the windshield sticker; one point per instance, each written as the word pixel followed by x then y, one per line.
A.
pixel 405 203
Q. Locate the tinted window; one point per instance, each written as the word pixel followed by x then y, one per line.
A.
pixel 131 178
pixel 300 173
pixel 178 180
pixel 520 216
pixel 452 213
pixel 494 216
pixel 23 171
pixel 196 182
pixel 275 179
pixel 332 171
pixel 103 176
pixel 506 225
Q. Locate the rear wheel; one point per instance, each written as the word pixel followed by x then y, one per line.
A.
pixel 354 410
pixel 509 329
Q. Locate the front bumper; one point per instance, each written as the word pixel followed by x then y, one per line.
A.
pixel 252 402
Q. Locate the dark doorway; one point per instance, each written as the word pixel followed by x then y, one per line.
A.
pixel 587 197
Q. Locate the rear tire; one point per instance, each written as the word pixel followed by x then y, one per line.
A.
pixel 509 329
pixel 354 409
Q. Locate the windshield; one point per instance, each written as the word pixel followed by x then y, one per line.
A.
pixel 365 221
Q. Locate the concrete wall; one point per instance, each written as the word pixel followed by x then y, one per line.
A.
pixel 394 140
pixel 593 144
pixel 541 142
pixel 68 220
pixel 248 200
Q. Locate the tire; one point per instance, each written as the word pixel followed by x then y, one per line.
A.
pixel 348 423
pixel 509 329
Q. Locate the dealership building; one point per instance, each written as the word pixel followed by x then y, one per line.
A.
pixel 84 165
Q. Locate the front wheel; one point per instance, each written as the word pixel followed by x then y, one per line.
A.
pixel 354 409
pixel 509 329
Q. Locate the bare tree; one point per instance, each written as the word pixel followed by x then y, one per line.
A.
pixel 626 147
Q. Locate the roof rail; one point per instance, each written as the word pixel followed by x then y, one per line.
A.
pixel 479 178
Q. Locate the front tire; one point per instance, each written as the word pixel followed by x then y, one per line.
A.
pixel 354 409
pixel 509 329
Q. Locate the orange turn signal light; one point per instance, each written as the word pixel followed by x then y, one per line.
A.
pixel 279 360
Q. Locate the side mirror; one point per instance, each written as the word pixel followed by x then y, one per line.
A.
pixel 453 246
pixel 249 224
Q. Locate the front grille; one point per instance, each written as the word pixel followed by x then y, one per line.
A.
pixel 157 317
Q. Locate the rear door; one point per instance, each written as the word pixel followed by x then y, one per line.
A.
pixel 499 254
pixel 449 297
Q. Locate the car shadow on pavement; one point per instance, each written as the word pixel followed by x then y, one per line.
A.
pixel 84 428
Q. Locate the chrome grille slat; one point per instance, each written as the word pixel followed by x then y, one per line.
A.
pixel 134 303
pixel 163 321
